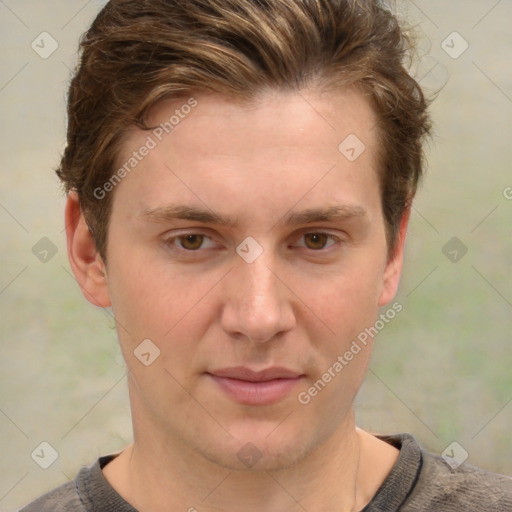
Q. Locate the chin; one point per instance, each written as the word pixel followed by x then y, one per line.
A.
pixel 263 449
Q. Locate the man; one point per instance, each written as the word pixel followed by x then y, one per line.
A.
pixel 240 175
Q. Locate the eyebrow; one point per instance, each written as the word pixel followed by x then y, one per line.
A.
pixel 177 211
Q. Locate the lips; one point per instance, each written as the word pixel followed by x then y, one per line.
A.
pixel 250 387
pixel 243 373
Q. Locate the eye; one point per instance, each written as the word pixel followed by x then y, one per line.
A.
pixel 317 241
pixel 189 242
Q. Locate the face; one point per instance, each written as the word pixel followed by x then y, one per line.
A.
pixel 251 252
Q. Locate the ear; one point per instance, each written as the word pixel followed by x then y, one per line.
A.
pixel 86 263
pixel 393 269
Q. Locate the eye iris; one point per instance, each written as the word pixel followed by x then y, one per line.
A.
pixel 192 242
pixel 318 240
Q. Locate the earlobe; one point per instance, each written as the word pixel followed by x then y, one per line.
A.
pixel 86 263
pixel 393 270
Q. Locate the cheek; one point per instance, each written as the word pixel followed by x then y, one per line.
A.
pixel 349 307
pixel 154 301
pixel 346 299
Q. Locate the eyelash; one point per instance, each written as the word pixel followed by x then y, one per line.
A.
pixel 170 242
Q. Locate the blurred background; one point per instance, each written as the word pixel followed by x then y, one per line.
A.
pixel 441 369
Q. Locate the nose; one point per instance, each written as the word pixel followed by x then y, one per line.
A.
pixel 258 306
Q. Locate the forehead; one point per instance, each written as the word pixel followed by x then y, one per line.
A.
pixel 271 119
pixel 277 145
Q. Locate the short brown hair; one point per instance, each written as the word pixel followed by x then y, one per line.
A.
pixel 139 51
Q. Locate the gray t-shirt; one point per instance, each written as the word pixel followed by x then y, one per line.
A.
pixel 419 481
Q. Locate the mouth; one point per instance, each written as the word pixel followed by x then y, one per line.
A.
pixel 249 387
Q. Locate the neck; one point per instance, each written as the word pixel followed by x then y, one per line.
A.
pixel 162 472
pixel 157 473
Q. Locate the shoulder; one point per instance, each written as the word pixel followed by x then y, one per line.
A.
pixel 443 488
pixel 62 499
pixel 90 491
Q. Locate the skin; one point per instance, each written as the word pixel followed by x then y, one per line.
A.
pixel 299 305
